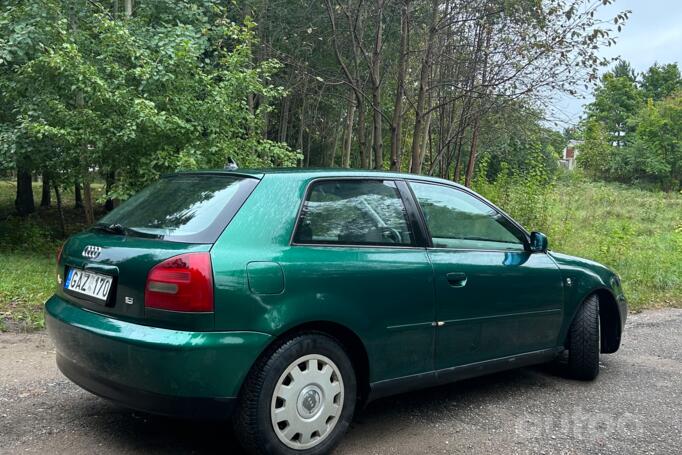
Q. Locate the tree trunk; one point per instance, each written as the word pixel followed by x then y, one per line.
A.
pixel 425 137
pixel 128 7
pixel 262 107
pixel 353 79
pixel 46 199
pixel 24 202
pixel 458 161
pixel 425 72
pixel 307 152
pixel 472 154
pixel 87 199
pixel 396 124
pixel 78 196
pixel 110 180
pixel 348 134
pixel 60 207
pixel 477 121
pixel 377 138
pixel 284 119
pixel 362 135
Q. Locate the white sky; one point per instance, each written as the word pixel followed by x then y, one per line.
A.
pixel 652 34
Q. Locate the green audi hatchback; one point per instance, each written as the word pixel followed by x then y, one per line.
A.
pixel 288 298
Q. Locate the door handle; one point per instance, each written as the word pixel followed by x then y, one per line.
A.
pixel 456 279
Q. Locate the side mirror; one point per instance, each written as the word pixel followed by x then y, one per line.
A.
pixel 538 242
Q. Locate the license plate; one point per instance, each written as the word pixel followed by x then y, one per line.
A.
pixel 91 284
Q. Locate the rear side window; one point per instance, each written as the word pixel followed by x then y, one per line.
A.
pixel 354 212
pixel 193 208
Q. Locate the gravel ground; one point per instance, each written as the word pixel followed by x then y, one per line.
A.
pixel 633 407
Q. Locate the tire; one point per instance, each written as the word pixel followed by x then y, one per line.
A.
pixel 583 342
pixel 303 385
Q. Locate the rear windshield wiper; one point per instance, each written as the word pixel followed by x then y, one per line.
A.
pixel 119 229
pixel 114 228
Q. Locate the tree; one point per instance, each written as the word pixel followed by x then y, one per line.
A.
pixel 659 141
pixel 163 88
pixel 631 140
pixel 596 152
pixel 661 81
pixel 616 100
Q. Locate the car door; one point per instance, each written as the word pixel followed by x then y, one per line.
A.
pixel 356 259
pixel 494 298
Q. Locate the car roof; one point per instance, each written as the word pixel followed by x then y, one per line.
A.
pixel 312 173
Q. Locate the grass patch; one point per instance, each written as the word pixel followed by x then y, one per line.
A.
pixel 28 248
pixel 635 232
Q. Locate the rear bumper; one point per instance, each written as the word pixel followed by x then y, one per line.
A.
pixel 142 400
pixel 151 369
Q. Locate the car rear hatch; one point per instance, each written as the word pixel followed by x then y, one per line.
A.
pixel 148 260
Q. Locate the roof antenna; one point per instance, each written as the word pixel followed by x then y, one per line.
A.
pixel 231 164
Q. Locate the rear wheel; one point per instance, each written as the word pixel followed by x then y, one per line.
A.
pixel 583 342
pixel 299 398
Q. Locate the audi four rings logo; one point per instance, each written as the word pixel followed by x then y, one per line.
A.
pixel 91 252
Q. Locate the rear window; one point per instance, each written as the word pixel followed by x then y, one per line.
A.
pixel 192 208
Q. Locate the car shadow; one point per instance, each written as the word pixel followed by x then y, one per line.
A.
pixel 133 431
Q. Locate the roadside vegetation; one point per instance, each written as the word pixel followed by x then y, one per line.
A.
pixel 637 232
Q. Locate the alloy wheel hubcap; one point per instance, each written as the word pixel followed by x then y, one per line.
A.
pixel 307 402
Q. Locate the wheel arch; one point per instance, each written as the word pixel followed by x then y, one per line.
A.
pixel 610 323
pixel 346 337
pixel 609 319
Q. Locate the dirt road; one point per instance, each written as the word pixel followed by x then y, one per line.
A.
pixel 635 406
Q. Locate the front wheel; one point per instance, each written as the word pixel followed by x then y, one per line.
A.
pixel 298 399
pixel 583 342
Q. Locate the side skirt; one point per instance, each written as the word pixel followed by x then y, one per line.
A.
pixel 388 387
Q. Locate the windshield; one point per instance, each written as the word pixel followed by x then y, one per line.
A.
pixel 192 208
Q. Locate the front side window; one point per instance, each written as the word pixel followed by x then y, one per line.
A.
pixel 354 212
pixel 456 219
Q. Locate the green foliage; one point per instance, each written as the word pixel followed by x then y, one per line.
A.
pixel 632 134
pixel 523 193
pixel 615 102
pixel 661 81
pixel 138 97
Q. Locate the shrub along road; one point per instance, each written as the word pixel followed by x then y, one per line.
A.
pixel 633 407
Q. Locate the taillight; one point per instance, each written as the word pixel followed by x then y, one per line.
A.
pixel 181 283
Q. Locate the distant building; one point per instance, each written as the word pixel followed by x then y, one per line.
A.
pixel 570 153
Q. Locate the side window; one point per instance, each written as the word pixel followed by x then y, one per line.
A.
pixel 456 219
pixel 354 212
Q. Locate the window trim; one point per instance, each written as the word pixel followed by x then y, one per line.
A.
pixel 418 237
pixel 427 232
